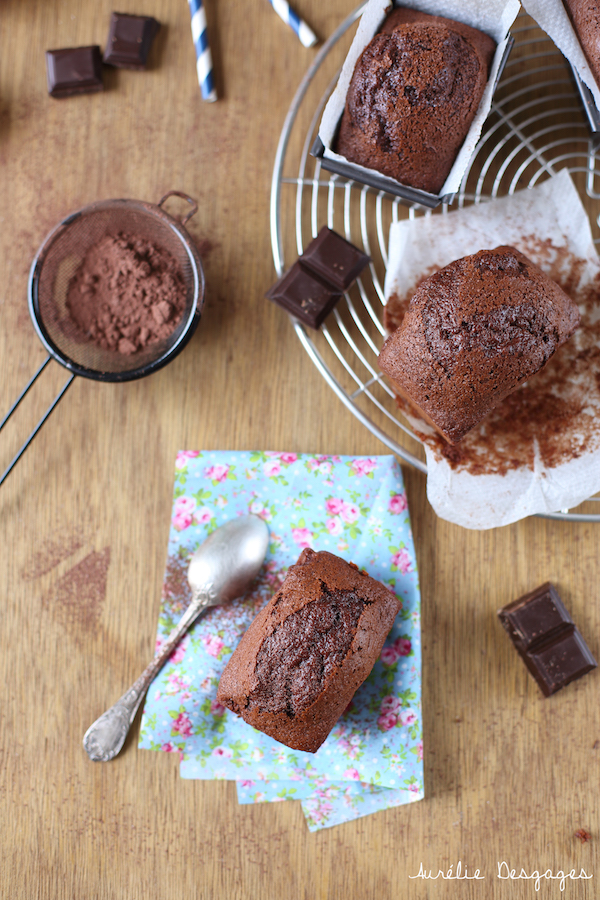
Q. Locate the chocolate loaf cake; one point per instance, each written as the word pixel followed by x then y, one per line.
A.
pixel 474 332
pixel 585 16
pixel 413 95
pixel 305 654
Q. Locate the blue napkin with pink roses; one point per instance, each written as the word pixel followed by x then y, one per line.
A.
pixel 354 507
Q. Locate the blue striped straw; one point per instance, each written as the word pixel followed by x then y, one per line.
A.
pixel 204 66
pixel 285 12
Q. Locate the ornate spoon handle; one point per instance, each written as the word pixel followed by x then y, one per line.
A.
pixel 105 737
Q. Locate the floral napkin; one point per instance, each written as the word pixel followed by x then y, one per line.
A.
pixel 356 508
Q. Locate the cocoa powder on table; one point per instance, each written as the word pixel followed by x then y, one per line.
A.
pixel 126 294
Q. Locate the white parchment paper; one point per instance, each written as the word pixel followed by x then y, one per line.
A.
pixel 494 17
pixel 553 18
pixel 481 486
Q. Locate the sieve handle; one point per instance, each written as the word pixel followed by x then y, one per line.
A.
pixel 187 199
pixel 31 381
pixel 54 403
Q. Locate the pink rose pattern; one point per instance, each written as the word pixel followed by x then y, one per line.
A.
pixel 181 725
pixel 397 503
pixel 391 653
pixel 334 505
pixel 401 561
pixel 213 644
pixel 183 456
pixel 302 537
pixel 363 466
pixel 217 473
pixel 352 506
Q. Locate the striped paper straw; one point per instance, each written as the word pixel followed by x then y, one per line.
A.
pixel 285 12
pixel 204 66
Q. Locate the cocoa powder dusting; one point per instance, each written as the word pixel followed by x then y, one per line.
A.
pixel 126 294
pixel 394 311
pixel 176 590
pixel 50 554
pixel 77 597
pixel 555 414
pixel 205 247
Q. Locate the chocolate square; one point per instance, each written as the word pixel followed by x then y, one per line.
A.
pixel 535 615
pixel 74 70
pixel 547 639
pixel 314 284
pixel 334 258
pixel 129 40
pixel 564 659
pixel 304 295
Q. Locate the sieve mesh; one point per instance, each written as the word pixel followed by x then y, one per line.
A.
pixel 59 259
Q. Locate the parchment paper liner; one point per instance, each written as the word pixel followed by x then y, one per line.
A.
pixel 539 451
pixel 553 18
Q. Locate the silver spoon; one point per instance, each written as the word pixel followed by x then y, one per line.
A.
pixel 220 570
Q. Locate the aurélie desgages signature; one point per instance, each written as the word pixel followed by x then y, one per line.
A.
pixel 504 873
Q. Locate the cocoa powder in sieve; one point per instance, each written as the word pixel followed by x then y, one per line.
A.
pixel 126 294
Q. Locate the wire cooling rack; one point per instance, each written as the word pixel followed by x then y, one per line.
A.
pixel 536 128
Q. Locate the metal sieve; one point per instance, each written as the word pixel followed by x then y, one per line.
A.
pixel 55 265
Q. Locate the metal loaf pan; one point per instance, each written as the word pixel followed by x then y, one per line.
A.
pixel 372 178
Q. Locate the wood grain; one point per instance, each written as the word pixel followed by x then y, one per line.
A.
pixel 509 776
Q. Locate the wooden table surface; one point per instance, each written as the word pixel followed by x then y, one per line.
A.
pixel 84 522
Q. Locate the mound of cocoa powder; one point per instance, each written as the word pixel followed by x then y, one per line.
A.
pixel 126 294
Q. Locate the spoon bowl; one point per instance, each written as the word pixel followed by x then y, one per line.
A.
pixel 221 569
pixel 229 559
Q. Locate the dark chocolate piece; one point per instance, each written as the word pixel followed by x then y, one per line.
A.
pixel 535 616
pixel 314 284
pixel 334 258
pixel 547 639
pixel 129 40
pixel 75 70
pixel 304 295
pixel 561 661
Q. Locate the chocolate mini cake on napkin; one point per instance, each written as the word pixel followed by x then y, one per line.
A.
pixel 351 506
pixel 303 657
